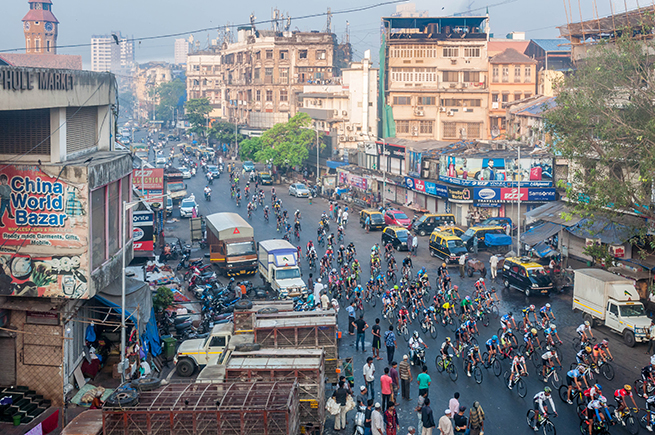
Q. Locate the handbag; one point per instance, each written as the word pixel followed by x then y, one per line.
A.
pixel 332 406
pixel 350 403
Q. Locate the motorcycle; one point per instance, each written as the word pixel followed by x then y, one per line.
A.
pixel 208 196
pixel 419 357
pixel 360 419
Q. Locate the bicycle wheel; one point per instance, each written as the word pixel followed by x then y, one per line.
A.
pixel 494 312
pixel 405 333
pixel 485 320
pixel 374 300
pixel 473 341
pixel 497 367
pixel 556 379
pixel 454 324
pixel 485 359
pixel 608 371
pixel 632 425
pixel 575 342
pixel 536 359
pixel 506 378
pixel 433 331
pixel 499 332
pixel 452 371
pixel 643 419
pixel 477 374
pixel 521 388
pixel 439 363
pixel 584 427
pixel 563 393
pixel 530 417
pixel 549 428
pixel 424 329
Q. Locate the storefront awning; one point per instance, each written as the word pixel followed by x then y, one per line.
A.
pixel 138 309
pixel 608 232
pixel 334 164
pixel 540 233
pixel 552 212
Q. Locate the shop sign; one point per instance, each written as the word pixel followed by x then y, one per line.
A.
pixel 42 318
pixel 426 187
pixel 460 194
pixel 24 80
pixel 511 194
pixel 143 230
pixel 353 180
pixel 371 148
pixel 496 172
pixel 150 182
pixel 540 195
pixel 393 151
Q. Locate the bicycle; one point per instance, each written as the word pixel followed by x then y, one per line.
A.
pixel 446 365
pixel 428 325
pixel 476 371
pixel 639 388
pixel 627 419
pixel 543 421
pixel 517 382
pixel 578 344
pixel 493 363
pixel 404 330
pixel 552 375
pixel 606 369
pixel 576 395
pixel 647 419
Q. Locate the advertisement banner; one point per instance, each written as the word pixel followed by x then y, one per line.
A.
pixel 353 180
pixel 426 187
pixel 150 182
pixel 143 230
pixel 496 172
pixel 510 194
pixel 460 194
pixel 393 151
pixel 541 195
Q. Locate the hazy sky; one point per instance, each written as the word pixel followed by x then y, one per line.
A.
pixel 79 19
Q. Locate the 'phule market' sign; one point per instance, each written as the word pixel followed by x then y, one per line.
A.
pixel 22 80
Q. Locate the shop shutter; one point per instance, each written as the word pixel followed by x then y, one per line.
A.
pixel 81 128
pixel 25 132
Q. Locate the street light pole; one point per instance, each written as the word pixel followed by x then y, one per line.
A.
pixel 318 166
pixel 518 221
pixel 126 206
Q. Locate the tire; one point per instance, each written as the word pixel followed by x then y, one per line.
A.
pixel 405 333
pixel 497 367
pixel 485 358
pixel 433 331
pixel 373 301
pixel 247 347
pixel 146 384
pixel 556 380
pixel 588 318
pixel 452 372
pixel 439 363
pixel 521 388
pixel 643 419
pixel 506 284
pixel 423 328
pixel 268 310
pixel 185 367
pixel 576 343
pixel 421 233
pixel 483 272
pixel 454 324
pixel 563 393
pixel 477 374
pixel 432 254
pixel 469 271
pixel 122 399
pixel 629 338
pixel 549 428
pixel 608 371
pixel 243 304
pixel 506 379
pixel 632 425
pixel 530 416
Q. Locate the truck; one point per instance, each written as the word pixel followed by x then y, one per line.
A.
pixel 231 243
pixel 278 268
pixel 604 297
pixel 174 184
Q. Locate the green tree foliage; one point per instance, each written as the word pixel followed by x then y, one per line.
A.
pixel 196 111
pixel 162 299
pixel 249 148
pixel 169 94
pixel 604 123
pixel 223 132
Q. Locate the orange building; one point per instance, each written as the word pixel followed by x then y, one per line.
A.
pixel 41 28
pixel 512 78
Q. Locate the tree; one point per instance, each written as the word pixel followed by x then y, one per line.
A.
pixel 170 96
pixel 223 132
pixel 162 299
pixel 249 148
pixel 197 110
pixel 604 124
pixel 287 144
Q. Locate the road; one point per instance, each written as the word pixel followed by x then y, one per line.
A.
pixel 505 410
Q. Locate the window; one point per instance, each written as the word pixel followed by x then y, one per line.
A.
pixel 284 54
pixel 47 45
pixel 425 127
pixel 284 76
pixel 505 97
pixel 218 341
pixel 527 72
pixel 517 96
pixel 268 72
pixel 494 98
pixel 269 54
pixel 450 52
pixel 472 76
pixel 459 102
pixel 614 309
pixel 451 76
pixel 302 54
pixel 284 95
pixel 505 74
pixel 517 73
pixel 402 101
pixel 473 130
pixel 402 127
pixel 258 55
pixel 527 95
pixel 320 54
pixel 114 209
pixel 269 95
pixel 257 73
pixel 495 74
pixel 37 44
pixel 449 130
pixel 426 101
pixel 258 95
pixel 471 51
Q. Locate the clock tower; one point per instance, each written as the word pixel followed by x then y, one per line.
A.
pixel 40 27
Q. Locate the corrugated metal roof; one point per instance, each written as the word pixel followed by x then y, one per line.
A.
pixel 303 321
pixel 552 44
pixel 273 363
pixel 552 212
pixel 538 107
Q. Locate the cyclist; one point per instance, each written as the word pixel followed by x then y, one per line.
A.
pixel 507 321
pixel 473 357
pixel 447 308
pixel 546 312
pixel 592 410
pixel 403 316
pixel 471 326
pixel 506 340
pixel 584 331
pixel 648 374
pixel 480 285
pixel 583 356
pixel 407 262
pixel 465 305
pixel 442 271
pixel 539 408
pixel 492 346
pixel 461 336
pixel 518 369
pixel 551 333
pixel 415 343
pixel 528 337
pixel 547 361
pixel 573 379
pixel 620 397
pixel 526 315
pixel 650 402
pixel 444 349
pixel 594 392
pixel 599 351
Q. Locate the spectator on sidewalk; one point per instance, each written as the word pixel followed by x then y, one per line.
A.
pixel 423 380
pixel 454 404
pixel 418 409
pixel 362 397
pixel 386 388
pixel 318 288
pixel 361 326
pixel 391 417
pixel 414 245
pixel 369 376
pixel 325 301
pixel 377 339
pixel 461 422
pixel 476 419
pixel 462 263
pixel 396 380
pixel 427 418
pixel 493 263
pixel 377 422
pixel 446 423
pixel 651 336
pixel 390 341
pixel 350 309
pixel 405 373
pixel 341 397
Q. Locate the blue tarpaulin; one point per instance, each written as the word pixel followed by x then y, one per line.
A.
pixel 542 249
pixel 497 240
pixel 611 233
pixel 334 164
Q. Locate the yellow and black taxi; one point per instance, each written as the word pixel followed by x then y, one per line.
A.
pixel 397 236
pixel 527 276
pixel 428 222
pixel 480 233
pixel 452 229
pixel 376 218
pixel 446 246
pixel 265 178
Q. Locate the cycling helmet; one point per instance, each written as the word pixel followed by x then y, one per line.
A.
pixel 552 326
pixel 468 298
pixel 531 307
pixel 602 399
pixel 425 275
pixel 509 331
pixel 443 264
pixel 403 307
pixel 476 347
pixel 494 338
pixel 547 390
pixel 598 387
pixel 509 314
pixel 547 305
pixel 334 270
pixel 605 343
pixel 425 312
pixel 415 334
pixel 395 287
pixel 455 287
pixel 586 322
pixel 388 292
pixel 533 331
pixel 448 339
pixel 627 388
pixel 587 349
pixel 481 280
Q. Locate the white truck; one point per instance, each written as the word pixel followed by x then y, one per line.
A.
pixel 604 297
pixel 277 261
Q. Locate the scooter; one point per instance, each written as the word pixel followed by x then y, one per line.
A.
pixel 419 357
pixel 360 419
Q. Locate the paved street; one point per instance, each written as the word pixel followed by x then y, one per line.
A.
pixel 505 410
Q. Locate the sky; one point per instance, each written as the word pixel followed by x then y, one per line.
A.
pixel 79 19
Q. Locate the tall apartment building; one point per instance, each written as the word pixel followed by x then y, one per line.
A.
pixel 181 50
pixel 433 82
pixel 106 55
pixel 253 80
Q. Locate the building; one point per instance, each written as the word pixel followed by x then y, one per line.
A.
pixel 498 45
pixel 512 78
pixel 147 78
pixel 41 28
pixel 252 81
pixel 112 52
pixel 524 119
pixel 347 112
pixel 181 51
pixel 63 184
pixel 433 78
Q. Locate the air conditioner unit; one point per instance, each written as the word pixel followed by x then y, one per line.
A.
pixel 419 113
pixel 451 113
pixel 425 173
pixel 494 105
pixel 342 138
pixel 466 109
pixel 442 109
pixel 351 138
pixel 415 133
pixel 344 113
pixel 349 127
pixel 453 85
pixel 426 164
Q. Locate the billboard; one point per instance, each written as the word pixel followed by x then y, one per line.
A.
pixel 496 172
pixel 353 180
pixel 150 181
pixel 44 232
pixel 511 194
pixel 143 230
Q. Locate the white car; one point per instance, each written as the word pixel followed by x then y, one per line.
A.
pixel 299 190
pixel 185 172
pixel 187 207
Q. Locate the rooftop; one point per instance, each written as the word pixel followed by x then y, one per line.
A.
pixel 607 26
pixel 511 56
pixel 55 61
pixel 40 15
pixel 499 45
pixel 552 44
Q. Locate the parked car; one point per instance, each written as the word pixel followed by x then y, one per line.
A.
pixel 299 190
pixel 428 222
pixel 526 276
pixel 446 246
pixel 451 229
pixel 187 207
pixel 480 233
pixel 377 219
pixel 248 166
pixel 169 205
pixel 397 236
pixel 396 218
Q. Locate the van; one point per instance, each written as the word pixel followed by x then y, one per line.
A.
pixel 377 218
pixel 480 232
pixel 428 222
pixel 527 276
pixel 446 246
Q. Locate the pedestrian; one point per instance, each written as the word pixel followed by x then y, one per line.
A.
pixel 331 207
pixel 310 283
pixel 325 301
pixel 461 422
pixel 367 223
pixel 391 416
pixel 393 372
pixel 346 384
pixel 339 214
pixel 651 336
pixel 362 397
pixel 344 218
pixel 410 241
pixel 367 417
pixel 361 326
pixel 318 288
pixel 462 263
pixel 405 373
pixel 445 423
pixel 350 309
pixel 427 418
pixel 414 245
pixel 476 419
pixel 454 404
pixel 423 380
pixel 475 244
pixel 341 397
pixel 493 263
pixel 390 341
pixel 386 388
pixel 377 339
pixel 418 409
pixel 369 376
pixel 377 422
pixel 411 430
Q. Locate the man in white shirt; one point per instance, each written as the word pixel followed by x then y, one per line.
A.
pixel 462 263
pixel 325 301
pixel 318 287
pixel 344 218
pixel 377 421
pixel 493 262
